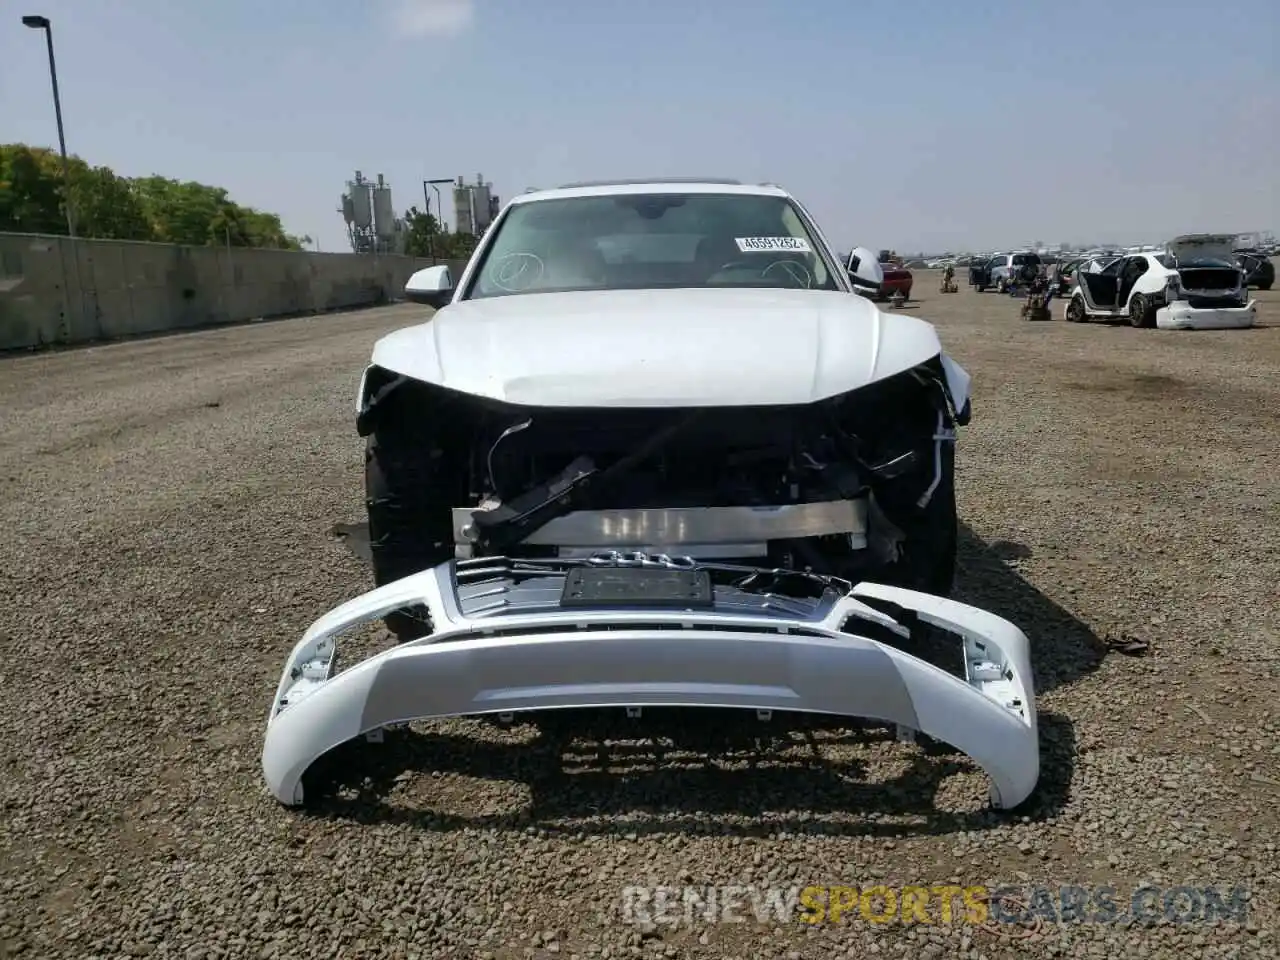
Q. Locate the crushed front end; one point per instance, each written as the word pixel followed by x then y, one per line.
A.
pixel 628 631
pixel 860 485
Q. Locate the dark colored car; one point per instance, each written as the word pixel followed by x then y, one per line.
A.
pixel 897 279
pixel 1258 269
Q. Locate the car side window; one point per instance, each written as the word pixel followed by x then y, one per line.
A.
pixel 1113 269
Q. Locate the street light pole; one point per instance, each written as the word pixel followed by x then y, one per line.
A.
pixel 431 239
pixel 435 185
pixel 43 23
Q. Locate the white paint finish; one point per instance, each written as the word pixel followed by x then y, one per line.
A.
pixel 1181 316
pixel 747 661
pixel 655 348
pixel 658 348
pixel 434 279
pixel 958 382
pixel 642 186
pixel 869 272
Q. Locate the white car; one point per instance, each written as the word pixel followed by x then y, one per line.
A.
pixel 1194 284
pixel 652 450
pixel 866 275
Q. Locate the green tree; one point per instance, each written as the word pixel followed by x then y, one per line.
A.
pixel 106 205
pixel 189 213
pixel 31 191
pixel 423 233
pixel 426 239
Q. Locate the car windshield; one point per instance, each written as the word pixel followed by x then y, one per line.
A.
pixel 651 241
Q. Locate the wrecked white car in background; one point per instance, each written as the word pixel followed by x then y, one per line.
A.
pixel 653 451
pixel 1194 284
pixel 866 275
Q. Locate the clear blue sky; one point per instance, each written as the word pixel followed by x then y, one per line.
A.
pixel 912 125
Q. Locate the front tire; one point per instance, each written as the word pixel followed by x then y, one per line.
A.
pixel 930 533
pixel 1075 311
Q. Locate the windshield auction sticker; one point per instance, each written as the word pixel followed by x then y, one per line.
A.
pixel 773 245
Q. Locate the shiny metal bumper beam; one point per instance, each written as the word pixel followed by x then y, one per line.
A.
pixel 677 529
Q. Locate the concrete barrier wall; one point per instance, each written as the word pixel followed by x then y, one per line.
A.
pixel 54 290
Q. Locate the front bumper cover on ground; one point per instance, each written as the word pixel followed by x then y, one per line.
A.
pixel 503 643
pixel 1180 315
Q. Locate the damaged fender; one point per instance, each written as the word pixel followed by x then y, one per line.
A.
pixel 958 383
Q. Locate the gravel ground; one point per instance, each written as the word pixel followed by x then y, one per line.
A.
pixel 171 506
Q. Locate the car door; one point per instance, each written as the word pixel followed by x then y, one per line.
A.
pixel 980 273
pixel 1130 273
pixel 1100 289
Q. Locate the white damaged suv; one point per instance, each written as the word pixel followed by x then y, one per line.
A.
pixel 652 451
pixel 661 366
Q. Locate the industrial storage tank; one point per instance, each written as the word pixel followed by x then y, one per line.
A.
pixel 480 196
pixel 462 219
pixel 384 215
pixel 361 206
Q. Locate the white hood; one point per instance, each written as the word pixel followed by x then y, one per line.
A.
pixel 659 348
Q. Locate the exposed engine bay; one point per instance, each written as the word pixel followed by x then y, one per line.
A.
pixel 519 468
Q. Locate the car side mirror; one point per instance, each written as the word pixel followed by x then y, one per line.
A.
pixel 432 286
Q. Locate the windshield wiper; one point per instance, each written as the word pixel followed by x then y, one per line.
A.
pixel 572 489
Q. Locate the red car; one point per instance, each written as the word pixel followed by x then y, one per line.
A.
pixel 897 278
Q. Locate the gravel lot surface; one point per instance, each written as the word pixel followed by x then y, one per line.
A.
pixel 170 508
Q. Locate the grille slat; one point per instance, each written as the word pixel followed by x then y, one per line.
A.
pixel 502 587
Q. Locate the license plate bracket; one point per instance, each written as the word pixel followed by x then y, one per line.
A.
pixel 609 587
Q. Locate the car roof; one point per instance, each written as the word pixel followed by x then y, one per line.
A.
pixel 608 188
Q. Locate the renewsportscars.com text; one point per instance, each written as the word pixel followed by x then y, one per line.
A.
pixel 933 904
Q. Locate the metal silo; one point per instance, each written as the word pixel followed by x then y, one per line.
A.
pixel 384 215
pixel 463 222
pixel 361 204
pixel 480 202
